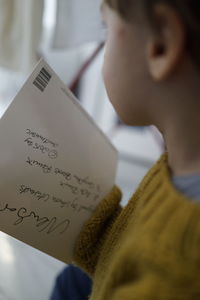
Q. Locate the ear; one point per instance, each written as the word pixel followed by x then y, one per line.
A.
pixel 165 46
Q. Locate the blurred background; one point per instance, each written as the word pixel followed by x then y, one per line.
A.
pixel 70 36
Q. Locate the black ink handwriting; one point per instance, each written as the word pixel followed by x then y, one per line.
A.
pixel 43 223
pixel 53 154
pixel 85 181
pixel 74 189
pixel 66 175
pixel 45 168
pixel 37 194
pixel 39 136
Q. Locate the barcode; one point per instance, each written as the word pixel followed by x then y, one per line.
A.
pixel 42 80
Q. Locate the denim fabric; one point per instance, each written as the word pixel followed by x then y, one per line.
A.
pixel 72 284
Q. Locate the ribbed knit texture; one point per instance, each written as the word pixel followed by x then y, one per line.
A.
pixel 150 249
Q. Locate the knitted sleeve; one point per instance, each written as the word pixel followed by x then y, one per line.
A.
pixel 96 230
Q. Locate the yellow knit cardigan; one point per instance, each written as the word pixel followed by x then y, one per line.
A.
pixel 150 249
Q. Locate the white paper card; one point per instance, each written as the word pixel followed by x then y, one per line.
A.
pixel 55 165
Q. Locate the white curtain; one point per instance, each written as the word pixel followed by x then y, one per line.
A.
pixel 20 31
pixel 77 22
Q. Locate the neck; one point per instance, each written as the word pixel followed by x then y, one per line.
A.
pixel 180 126
pixel 182 138
pixel 183 156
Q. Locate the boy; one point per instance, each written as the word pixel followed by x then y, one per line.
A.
pixel 151 248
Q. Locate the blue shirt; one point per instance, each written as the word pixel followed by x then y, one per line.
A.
pixel 188 185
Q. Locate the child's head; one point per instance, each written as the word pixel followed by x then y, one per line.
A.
pixel 152 58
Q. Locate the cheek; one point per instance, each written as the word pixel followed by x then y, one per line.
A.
pixel 109 79
pixel 113 63
pixel 106 65
pixel 106 73
pixel 110 68
pixel 123 83
pixel 114 82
